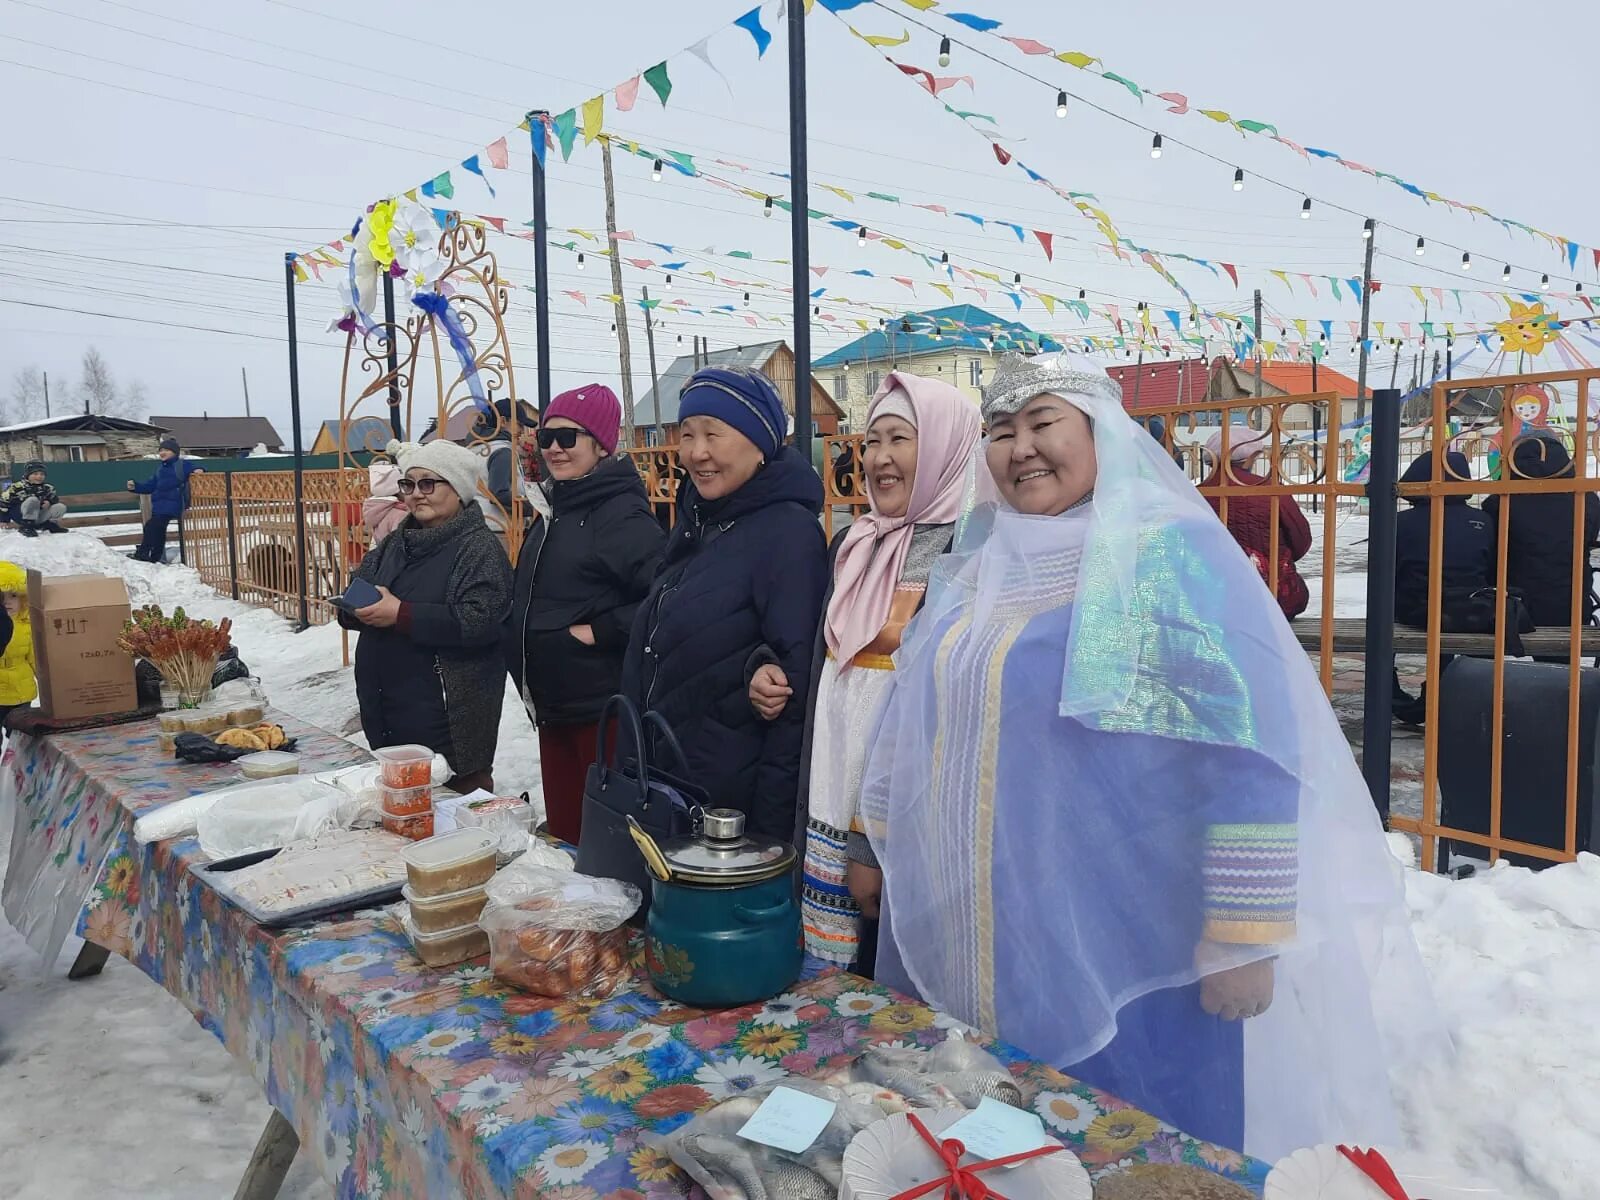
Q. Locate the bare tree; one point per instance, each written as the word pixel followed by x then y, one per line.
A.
pixel 26 399
pixel 97 390
pixel 135 403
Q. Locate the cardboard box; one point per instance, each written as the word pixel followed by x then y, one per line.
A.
pixel 77 620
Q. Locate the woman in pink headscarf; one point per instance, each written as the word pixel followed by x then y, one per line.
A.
pixel 920 442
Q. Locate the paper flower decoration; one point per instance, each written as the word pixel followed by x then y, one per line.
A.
pixel 414 231
pixel 380 225
pixel 1529 327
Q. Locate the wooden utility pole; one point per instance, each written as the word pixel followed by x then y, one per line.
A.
pixel 624 354
pixel 655 381
pixel 1258 343
pixel 1366 318
pixel 245 379
pixel 47 394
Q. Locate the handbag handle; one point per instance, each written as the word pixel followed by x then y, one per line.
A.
pixel 626 716
pixel 665 738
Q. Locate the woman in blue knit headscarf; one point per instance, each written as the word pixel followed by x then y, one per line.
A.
pixel 745 569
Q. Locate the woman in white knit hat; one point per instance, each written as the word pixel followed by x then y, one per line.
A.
pixel 428 668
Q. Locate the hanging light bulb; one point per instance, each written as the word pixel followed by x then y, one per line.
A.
pixel 669 282
pixel 1152 372
pixel 861 236
pixel 1141 306
pixel 1061 104
pixel 747 299
pixel 1466 260
pixel 944 52
pixel 680 339
pixel 1155 146
pixel 1505 273
pixel 766 209
pixel 1305 209
pixel 1422 247
pixel 1366 229
pixel 1238 179
pixel 1017 278
pixel 944 256
pixel 847 368
pixel 613 329
pixel 655 171
pixel 1580 289
pixel 816 311
pixel 580 261
pixel 1083 294
pixel 1544 283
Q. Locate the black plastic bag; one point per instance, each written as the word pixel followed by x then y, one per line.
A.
pixel 198 748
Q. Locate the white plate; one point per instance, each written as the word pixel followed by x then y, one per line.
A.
pixel 1322 1173
pixel 875 1165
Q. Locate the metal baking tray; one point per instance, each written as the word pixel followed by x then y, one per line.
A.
pixel 215 875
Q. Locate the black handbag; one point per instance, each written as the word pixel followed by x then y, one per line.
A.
pixel 1471 610
pixel 656 795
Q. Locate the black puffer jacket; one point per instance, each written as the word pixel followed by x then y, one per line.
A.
pixel 590 564
pixel 436 677
pixel 747 570
pixel 1469 546
pixel 1539 543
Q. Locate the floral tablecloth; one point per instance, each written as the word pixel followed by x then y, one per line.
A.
pixel 403 1081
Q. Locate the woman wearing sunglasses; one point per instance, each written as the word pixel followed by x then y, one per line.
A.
pixel 580 578
pixel 428 668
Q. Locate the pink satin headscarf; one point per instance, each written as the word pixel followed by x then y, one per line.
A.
pixel 874 551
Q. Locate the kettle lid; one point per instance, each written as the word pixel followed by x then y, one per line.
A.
pixel 721 853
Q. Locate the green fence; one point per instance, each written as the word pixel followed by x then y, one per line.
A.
pixel 87 479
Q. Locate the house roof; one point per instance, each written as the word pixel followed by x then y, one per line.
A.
pixel 220 433
pixel 961 326
pixel 1163 384
pixel 85 423
pixel 1294 378
pixel 671 381
pixel 363 433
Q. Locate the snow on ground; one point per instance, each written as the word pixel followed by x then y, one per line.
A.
pixel 88 1071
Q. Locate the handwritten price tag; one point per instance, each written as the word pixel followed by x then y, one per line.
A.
pixel 788 1120
pixel 995 1130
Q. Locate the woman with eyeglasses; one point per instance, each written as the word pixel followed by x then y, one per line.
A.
pixel 744 571
pixel 428 668
pixel 580 578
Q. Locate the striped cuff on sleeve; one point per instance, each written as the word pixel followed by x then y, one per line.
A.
pixel 1251 880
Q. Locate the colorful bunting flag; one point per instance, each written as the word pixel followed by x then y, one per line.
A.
pixel 472 164
pixel 566 131
pixel 751 23
pixel 656 77
pixel 594 117
pixel 439 185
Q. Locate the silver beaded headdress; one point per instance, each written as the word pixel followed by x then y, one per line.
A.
pixel 1019 379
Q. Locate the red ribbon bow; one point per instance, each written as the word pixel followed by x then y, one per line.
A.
pixel 1376 1168
pixel 962 1183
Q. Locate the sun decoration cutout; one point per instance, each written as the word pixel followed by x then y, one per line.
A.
pixel 1530 327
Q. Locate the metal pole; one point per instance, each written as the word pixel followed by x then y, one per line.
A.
pixel 233 533
pixel 1377 715
pixel 47 395
pixel 299 448
pixel 1258 343
pixel 541 259
pixel 1138 375
pixel 799 230
pixel 1316 430
pixel 245 379
pixel 1366 318
pixel 624 353
pixel 395 422
pixel 655 382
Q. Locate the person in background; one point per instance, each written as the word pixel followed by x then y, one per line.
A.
pixel 32 504
pixel 1539 559
pixel 921 435
pixel 505 474
pixel 18 687
pixel 1466 566
pixel 168 489
pixel 745 567
pixel 428 665
pixel 1250 517
pixel 383 510
pixel 580 578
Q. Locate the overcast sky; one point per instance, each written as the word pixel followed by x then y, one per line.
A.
pixel 159 156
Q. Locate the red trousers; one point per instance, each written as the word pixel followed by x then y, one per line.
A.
pixel 566 753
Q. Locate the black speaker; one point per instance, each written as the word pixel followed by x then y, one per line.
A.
pixel 1533 766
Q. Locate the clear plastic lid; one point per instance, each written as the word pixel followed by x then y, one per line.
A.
pixel 418 938
pixel 269 762
pixel 407 753
pixel 446 898
pixel 448 850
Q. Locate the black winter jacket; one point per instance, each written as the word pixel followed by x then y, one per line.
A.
pixel 1539 543
pixel 747 570
pixel 436 677
pixel 1469 545
pixel 590 564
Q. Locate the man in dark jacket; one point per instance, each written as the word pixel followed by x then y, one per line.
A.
pixel 1467 562
pixel 1539 561
pixel 32 504
pixel 168 490
pixel 745 566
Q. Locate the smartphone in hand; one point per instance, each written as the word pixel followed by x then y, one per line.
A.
pixel 360 594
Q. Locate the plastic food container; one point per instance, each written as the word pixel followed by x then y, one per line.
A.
pixel 172 722
pixel 196 721
pixel 509 818
pixel 406 802
pixel 268 764
pixel 437 914
pixel 448 946
pixel 405 766
pixel 248 713
pixel 451 862
pixel 169 741
pixel 417 828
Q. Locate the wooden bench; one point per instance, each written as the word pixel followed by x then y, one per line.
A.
pixel 1350 637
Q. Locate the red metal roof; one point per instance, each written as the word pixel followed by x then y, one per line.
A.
pixel 1162 384
pixel 1294 379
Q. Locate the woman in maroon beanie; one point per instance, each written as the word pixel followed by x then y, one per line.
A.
pixel 580 578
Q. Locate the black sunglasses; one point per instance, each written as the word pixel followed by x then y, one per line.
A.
pixel 425 485
pixel 565 438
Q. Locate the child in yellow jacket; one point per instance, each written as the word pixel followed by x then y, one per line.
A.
pixel 17 684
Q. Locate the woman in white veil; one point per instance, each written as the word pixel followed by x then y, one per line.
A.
pixel 1119 825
